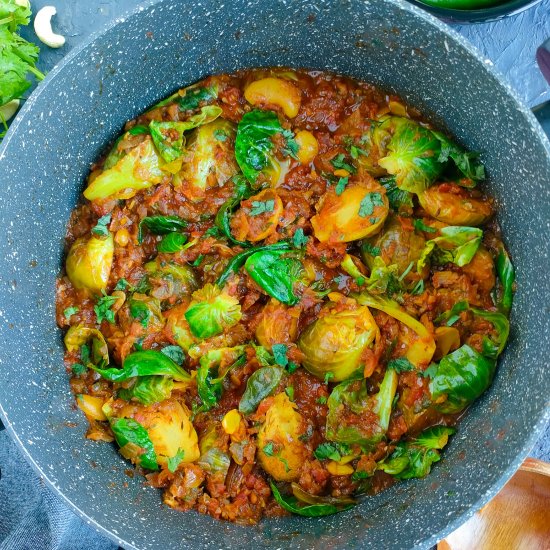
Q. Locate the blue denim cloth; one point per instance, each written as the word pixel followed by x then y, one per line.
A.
pixel 31 516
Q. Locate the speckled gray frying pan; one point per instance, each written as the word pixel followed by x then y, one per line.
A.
pixel 82 105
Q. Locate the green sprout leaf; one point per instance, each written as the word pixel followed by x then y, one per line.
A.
pixel 101 229
pixel 160 225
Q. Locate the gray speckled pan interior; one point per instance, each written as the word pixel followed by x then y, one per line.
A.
pixel 80 108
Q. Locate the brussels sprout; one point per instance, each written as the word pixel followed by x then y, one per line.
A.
pixel 395 245
pixel 335 342
pixel 454 244
pixel 168 136
pixel 280 451
pixel 96 352
pixel 166 425
pixel 413 459
pixel 213 459
pixel 276 272
pixel 481 269
pixel 358 212
pixel 461 377
pixel 278 323
pixel 255 150
pixel 179 327
pixel 169 281
pixel 455 209
pixel 411 153
pixel 148 390
pixel 115 154
pixel 138 170
pixel 355 417
pixel 261 383
pixel 212 311
pixel 506 277
pixel 147 311
pixel 209 162
pixel 89 263
pixel 420 350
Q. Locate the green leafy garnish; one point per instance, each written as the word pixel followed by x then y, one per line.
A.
pixel 262 207
pixel 148 389
pixel 299 240
pixel 174 461
pixel 122 284
pixel 399 200
pixel 140 312
pixel 160 225
pixel 103 309
pixel 368 203
pixel 101 228
pixel 129 432
pixel 279 354
pixel 260 384
pixel 291 504
pixel 332 451
pixel 421 226
pixel 195 96
pixel 339 162
pixel 341 186
pixel 401 364
pixel 70 311
pixel 506 277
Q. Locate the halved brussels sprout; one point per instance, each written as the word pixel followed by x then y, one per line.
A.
pixel 335 342
pixel 280 450
pixel 214 459
pixel 89 263
pixel 278 323
pixel 147 311
pixel 459 208
pixel 79 335
pixel 358 212
pixel 138 170
pixel 170 282
pixel 210 161
pixel 355 417
pixel 395 245
pixel 167 425
pixel 481 269
pixel 179 327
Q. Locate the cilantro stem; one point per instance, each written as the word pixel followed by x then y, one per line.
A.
pixel 39 75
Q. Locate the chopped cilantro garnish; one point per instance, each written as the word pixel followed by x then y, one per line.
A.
pixel 262 207
pixel 101 228
pixel 368 204
pixel 299 240
pixel 341 186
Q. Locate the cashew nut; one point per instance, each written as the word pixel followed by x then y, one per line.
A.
pixel 9 109
pixel 43 28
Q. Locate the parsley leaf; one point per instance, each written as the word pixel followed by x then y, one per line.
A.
pixel 339 162
pixel 70 311
pixel 328 377
pixel 101 228
pixel 341 186
pixel 401 364
pixel 332 451
pixel 290 392
pixel 299 240
pixel 268 449
pixel 279 353
pixel 122 284
pixel 358 476
pixel 198 261
pixel 103 309
pixel 78 369
pixel 140 312
pixel 370 249
pixel 174 461
pixel 368 204
pixel 321 400
pixel 262 207
pixel 291 149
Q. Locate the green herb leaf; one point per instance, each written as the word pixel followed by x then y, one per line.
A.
pixel 260 384
pixel 332 451
pixel 160 225
pixel 299 240
pixel 145 363
pixel 78 369
pixel 70 311
pixel 290 503
pixel 401 364
pixel 291 148
pixel 194 97
pixel 369 202
pixel 198 261
pixel 280 354
pixel 122 284
pixel 103 309
pixel 339 162
pixel 220 135
pixel 341 186
pixel 128 431
pixel 328 377
pixel 262 207
pixel 268 449
pixel 101 228
pixel 140 312
pixel 290 392
pixel 174 461
pixel 399 200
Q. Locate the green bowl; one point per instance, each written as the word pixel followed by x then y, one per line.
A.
pixel 476 16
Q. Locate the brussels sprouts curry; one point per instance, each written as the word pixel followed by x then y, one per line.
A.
pixel 281 290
